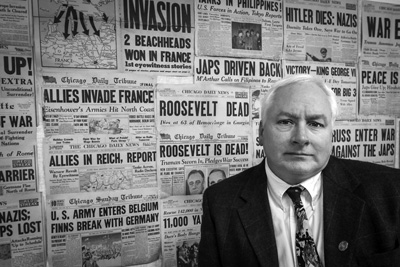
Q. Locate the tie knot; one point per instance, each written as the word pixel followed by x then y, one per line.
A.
pixel 294 193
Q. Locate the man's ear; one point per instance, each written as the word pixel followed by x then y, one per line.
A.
pixel 260 134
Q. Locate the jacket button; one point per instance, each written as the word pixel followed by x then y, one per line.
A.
pixel 343 245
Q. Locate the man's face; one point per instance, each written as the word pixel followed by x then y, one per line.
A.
pixel 215 177
pixel 297 132
pixel 195 183
pixel 323 54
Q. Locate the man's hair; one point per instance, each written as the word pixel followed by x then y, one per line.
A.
pixel 298 79
pixel 217 170
pixel 196 171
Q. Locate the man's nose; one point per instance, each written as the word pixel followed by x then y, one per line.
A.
pixel 300 135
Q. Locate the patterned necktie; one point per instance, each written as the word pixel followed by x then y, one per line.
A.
pixel 306 251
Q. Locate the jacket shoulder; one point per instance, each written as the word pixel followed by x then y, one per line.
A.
pixel 369 174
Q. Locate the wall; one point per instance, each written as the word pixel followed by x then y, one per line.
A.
pixel 115 116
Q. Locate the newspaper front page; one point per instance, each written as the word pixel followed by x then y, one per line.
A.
pixel 381 30
pixel 22 231
pixel 321 30
pixel 158 36
pixel 368 138
pixel 340 77
pixel 202 128
pixel 100 133
pixel 379 86
pixel 17 121
pixel 16 22
pixel 113 228
pixel 181 221
pixel 236 70
pixel 379 62
pixel 235 28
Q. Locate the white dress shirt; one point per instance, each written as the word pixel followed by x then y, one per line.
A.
pixel 284 218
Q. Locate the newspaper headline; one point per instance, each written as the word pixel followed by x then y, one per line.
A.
pixel 324 31
pixel 228 70
pixel 369 138
pixel 157 36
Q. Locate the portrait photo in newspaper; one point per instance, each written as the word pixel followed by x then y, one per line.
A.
pixel 195 180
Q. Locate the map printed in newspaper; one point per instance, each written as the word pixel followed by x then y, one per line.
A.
pixel 78 34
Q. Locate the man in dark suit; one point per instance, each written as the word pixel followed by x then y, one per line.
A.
pixel 352 208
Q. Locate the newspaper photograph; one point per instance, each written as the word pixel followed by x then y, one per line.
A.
pixel 180 230
pixel 381 30
pixel 235 28
pixel 22 231
pixel 379 86
pixel 158 36
pixel 202 129
pixel 116 228
pixel 321 30
pixel 104 103
pixel 16 22
pixel 236 70
pixel 368 138
pixel 77 34
pixel 340 77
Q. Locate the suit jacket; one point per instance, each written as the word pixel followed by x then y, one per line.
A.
pixel 361 216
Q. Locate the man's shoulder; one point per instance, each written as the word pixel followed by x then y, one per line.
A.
pixel 363 167
pixel 368 173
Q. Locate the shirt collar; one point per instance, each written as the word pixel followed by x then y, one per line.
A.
pixel 277 187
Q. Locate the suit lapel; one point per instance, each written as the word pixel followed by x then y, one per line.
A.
pixel 342 213
pixel 255 215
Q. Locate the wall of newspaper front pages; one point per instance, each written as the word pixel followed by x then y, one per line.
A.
pixel 115 116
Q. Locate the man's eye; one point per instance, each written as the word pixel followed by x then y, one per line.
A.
pixel 316 124
pixel 285 122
